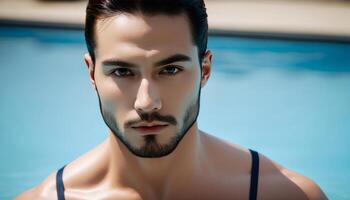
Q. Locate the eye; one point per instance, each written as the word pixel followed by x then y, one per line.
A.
pixel 170 70
pixel 122 72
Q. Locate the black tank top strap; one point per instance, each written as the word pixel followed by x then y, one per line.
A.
pixel 59 184
pixel 254 178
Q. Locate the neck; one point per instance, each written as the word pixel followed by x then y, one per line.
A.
pixel 137 172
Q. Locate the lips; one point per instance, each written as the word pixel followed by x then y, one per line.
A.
pixel 150 129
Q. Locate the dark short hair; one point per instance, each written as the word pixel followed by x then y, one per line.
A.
pixel 194 9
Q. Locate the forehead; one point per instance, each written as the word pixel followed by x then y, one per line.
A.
pixel 130 34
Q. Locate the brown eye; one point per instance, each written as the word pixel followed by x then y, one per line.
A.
pixel 123 72
pixel 170 70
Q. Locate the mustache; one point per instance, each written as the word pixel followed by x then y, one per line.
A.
pixel 149 117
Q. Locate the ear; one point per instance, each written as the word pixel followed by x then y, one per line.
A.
pixel 91 69
pixel 206 67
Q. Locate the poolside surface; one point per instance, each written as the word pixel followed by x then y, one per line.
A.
pixel 322 19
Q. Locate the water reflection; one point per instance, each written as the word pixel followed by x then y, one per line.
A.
pixel 242 56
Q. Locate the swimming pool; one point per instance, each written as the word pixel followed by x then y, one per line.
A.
pixel 287 99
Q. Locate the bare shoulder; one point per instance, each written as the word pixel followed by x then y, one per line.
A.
pixel 277 182
pixel 81 167
pixel 45 190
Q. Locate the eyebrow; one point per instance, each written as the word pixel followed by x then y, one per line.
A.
pixel 168 60
pixel 172 59
pixel 117 63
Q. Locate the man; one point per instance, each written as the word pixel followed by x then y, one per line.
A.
pixel 148 62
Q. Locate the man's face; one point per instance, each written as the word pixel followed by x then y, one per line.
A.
pixel 148 78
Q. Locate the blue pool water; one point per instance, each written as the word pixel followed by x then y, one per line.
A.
pixel 286 99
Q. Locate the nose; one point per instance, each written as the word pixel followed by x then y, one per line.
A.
pixel 147 99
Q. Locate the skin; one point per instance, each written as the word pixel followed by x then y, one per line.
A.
pixel 200 166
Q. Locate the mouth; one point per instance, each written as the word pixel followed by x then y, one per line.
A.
pixel 150 129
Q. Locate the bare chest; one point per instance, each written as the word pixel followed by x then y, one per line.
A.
pixel 203 188
pixel 224 187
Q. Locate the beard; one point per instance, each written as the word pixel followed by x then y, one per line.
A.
pixel 151 147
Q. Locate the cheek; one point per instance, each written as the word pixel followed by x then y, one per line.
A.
pixel 180 93
pixel 109 92
pixel 113 98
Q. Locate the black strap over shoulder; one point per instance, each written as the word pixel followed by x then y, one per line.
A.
pixel 59 184
pixel 254 178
